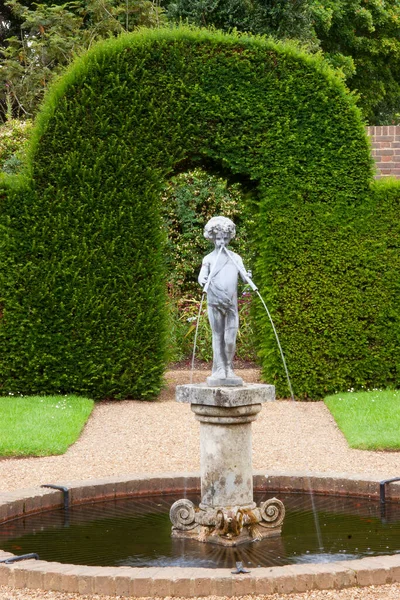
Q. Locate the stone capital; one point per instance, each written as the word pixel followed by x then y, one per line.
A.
pixel 249 393
pixel 226 415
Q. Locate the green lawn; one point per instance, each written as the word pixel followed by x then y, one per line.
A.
pixel 41 425
pixel 369 420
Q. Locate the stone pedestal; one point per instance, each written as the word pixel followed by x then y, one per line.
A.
pixel 227 514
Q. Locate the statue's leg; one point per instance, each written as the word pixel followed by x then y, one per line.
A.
pixel 217 322
pixel 232 326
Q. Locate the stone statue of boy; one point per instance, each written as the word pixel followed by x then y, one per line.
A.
pixel 219 277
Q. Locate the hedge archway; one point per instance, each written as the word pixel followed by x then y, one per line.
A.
pixel 81 260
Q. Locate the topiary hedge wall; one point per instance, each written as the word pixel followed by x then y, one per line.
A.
pixel 377 268
pixel 81 269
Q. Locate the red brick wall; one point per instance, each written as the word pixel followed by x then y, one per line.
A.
pixel 385 141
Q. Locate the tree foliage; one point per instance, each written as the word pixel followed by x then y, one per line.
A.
pixel 14 134
pixel 52 34
pixel 360 38
pixel 364 37
pixel 280 18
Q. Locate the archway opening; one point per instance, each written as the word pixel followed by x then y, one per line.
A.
pixel 189 199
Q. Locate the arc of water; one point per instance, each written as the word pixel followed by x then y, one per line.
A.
pixel 279 346
pixel 195 336
pixel 255 288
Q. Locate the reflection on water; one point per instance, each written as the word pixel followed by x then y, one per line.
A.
pixel 136 532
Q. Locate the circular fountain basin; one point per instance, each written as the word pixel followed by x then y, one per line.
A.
pixel 136 532
pixel 361 527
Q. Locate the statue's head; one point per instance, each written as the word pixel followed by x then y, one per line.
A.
pixel 220 229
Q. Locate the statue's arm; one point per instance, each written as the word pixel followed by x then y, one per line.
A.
pixel 204 273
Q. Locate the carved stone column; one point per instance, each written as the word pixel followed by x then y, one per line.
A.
pixel 227 513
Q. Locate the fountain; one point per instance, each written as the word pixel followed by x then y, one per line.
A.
pixel 85 515
pixel 225 406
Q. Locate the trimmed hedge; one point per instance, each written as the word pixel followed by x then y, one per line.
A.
pixel 336 292
pixel 378 283
pixel 81 269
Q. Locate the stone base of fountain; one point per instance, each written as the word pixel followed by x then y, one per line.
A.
pixel 227 514
pixel 227 526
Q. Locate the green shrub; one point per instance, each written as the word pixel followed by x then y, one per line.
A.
pixel 377 269
pixel 184 315
pixel 14 135
pixel 189 200
pixel 337 308
pixel 82 273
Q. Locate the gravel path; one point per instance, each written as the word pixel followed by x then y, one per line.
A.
pixel 132 437
pixel 152 437
pixel 382 592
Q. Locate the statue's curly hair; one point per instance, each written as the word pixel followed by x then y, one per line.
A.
pixel 218 224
